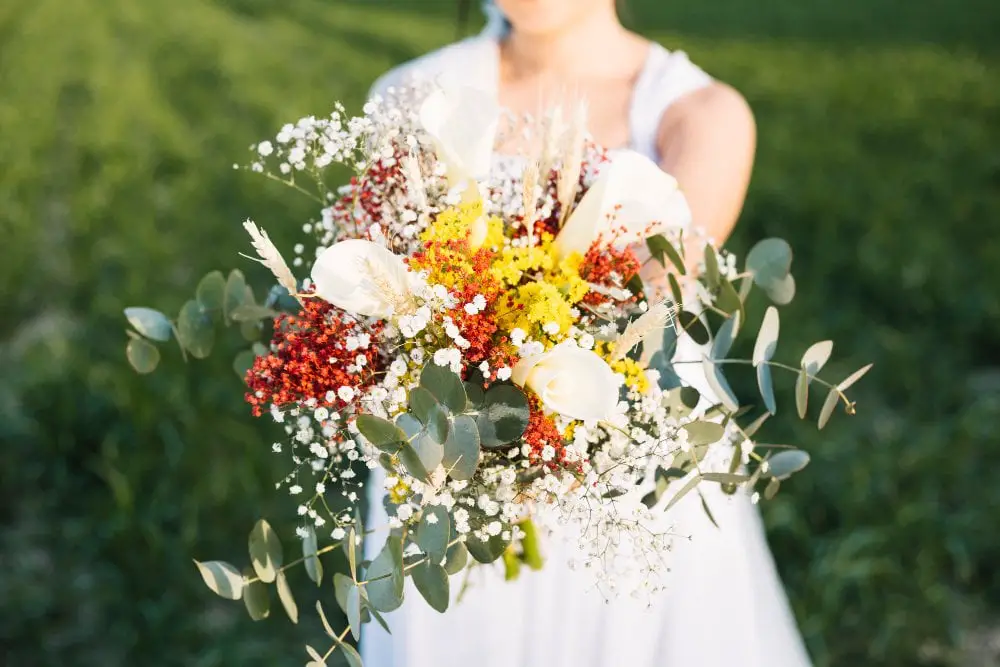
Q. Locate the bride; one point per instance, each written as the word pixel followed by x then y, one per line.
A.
pixel 725 605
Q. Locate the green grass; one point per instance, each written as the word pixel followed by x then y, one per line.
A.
pixel 118 125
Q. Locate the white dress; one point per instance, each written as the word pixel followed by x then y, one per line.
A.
pixel 725 605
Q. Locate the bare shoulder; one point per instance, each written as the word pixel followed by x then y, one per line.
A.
pixel 717 108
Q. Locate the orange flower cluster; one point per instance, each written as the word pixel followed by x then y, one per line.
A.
pixel 542 431
pixel 601 261
pixel 310 359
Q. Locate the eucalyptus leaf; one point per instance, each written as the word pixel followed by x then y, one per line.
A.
pixel 488 551
pixel 704 432
pixel 434 532
pixel 351 655
pixel 816 356
pixel 457 558
pixel 353 611
pixel 475 394
pixel 380 432
pixel 769 261
pixel 461 449
pixel 437 425
pixel 787 462
pixel 783 291
pixel 675 290
pixel 662 249
pixel 728 300
pixel 724 339
pixel 413 463
pixel 693 327
pixel 690 397
pixel 802 393
pixel 829 405
pixel 143 356
pixel 711 268
pixel 772 488
pixel 447 387
pixel 766 387
pixel 312 563
pixel 767 337
pixel 266 553
pixel 854 377
pixel 211 291
pixel 250 331
pixel 686 489
pixel 195 330
pixel 341 585
pixel 724 477
pixel 256 597
pixel 252 312
pixel 352 553
pixel 314 654
pixel 530 548
pixel 431 581
pixel 385 576
pixel 504 416
pixel 222 578
pixel 422 402
pixel 755 425
pixel 235 293
pixel 285 595
pixel 428 449
pixel 511 565
pixel 243 363
pixel 150 323
pixel 717 382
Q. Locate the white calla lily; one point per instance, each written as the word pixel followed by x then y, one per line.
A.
pixel 574 382
pixel 363 278
pixel 631 200
pixel 463 123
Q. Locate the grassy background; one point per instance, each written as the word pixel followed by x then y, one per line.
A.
pixel 119 120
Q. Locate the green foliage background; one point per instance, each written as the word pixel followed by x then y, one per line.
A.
pixel 119 121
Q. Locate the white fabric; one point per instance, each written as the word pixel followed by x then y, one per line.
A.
pixel 726 606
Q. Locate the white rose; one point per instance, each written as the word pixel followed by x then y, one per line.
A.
pixel 363 278
pixel 571 381
pixel 462 121
pixel 644 200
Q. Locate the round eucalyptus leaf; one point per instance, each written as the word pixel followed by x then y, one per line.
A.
pixel 251 331
pixel 380 432
pixel 266 553
pixel 693 327
pixel 767 337
pixel 150 323
pixel 195 330
pixel 251 312
pixel 816 356
pixel 690 397
pixel 222 578
pixel 437 425
pixel 409 425
pixel 243 363
pixel 413 463
pixel 431 581
pixel 488 551
pixel 256 597
pixel 782 291
pixel 461 449
pixel 504 416
pixel 385 577
pixel 769 261
pixel 235 294
pixel 286 597
pixel 447 387
pixel 341 585
pixel 422 403
pixel 704 433
pixel 211 291
pixel 786 463
pixel 475 394
pixel 143 356
pixel 434 532
pixel 457 558
pixel 717 382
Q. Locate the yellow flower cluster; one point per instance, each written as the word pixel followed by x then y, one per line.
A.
pixel 459 224
pixel 536 305
pixel 635 375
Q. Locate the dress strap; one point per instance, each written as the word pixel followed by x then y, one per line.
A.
pixel 666 77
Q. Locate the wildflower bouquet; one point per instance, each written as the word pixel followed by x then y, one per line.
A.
pixel 506 343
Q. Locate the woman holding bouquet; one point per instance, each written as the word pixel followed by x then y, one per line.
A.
pixel 725 605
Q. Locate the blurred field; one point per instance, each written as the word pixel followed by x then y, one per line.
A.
pixel 119 122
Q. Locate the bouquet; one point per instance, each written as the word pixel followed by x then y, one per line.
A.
pixel 509 345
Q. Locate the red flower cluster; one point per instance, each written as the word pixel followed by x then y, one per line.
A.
pixel 601 261
pixel 310 358
pixel 542 431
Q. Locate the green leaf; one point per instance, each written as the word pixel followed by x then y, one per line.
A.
pixel 724 339
pixel 693 327
pixel 437 425
pixel 767 337
pixel 745 286
pixel 511 565
pixel 686 489
pixel 322 617
pixel 353 611
pixel 532 554
pixel 772 488
pixel 457 558
pixel 826 411
pixel 195 330
pixel 222 579
pixel 802 393
pixel 341 585
pixel 461 449
pixel 660 249
pixel 235 293
pixel 352 553
pixel 317 659
pixel 422 402
pixel 766 387
pixel 243 363
pixel 265 551
pixel 256 597
pixel 816 356
pixel 675 290
pixel 474 392
pixel 769 262
pixel 504 416
pixel 380 432
pixel 755 425
pixel 252 312
pixel 704 433
pixel 352 656
pixel 689 397
pixel 717 382
pixel 783 291
pixel 446 387
pixel 413 464
pixel 434 532
pixel 854 377
pixel 634 285
pixel 728 300
pixel 312 563
pixel 211 291
pixel 488 551
pixel 711 268
pixel 786 463
pixel 250 331
pixel 142 355
pixel 150 323
pixel 724 477
pixel 432 582
pixel 385 577
pixel 428 450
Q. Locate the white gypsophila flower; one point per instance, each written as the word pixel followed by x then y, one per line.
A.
pixel 338 533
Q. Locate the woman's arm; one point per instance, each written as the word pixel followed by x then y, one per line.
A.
pixel 707 142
